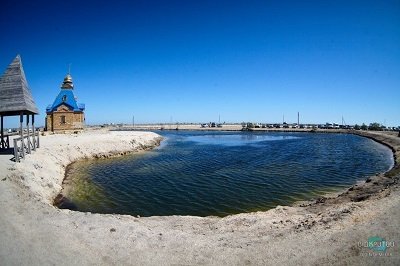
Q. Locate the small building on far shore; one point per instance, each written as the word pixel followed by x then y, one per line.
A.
pixel 65 113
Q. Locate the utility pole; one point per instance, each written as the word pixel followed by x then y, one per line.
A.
pixel 298 119
pixel 343 121
pixel 133 121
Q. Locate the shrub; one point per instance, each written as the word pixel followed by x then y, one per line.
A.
pixel 364 127
pixel 375 126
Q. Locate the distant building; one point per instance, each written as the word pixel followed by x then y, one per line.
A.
pixel 65 113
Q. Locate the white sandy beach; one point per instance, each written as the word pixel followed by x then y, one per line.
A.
pixel 34 232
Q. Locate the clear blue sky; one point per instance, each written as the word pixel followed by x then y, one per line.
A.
pixel 195 60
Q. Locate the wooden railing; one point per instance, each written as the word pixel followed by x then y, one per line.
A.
pixel 25 145
pixel 5 142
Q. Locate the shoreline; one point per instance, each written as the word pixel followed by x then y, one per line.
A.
pixel 371 185
pixel 62 202
pixel 65 149
pixel 68 237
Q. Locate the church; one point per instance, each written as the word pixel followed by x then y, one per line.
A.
pixel 65 113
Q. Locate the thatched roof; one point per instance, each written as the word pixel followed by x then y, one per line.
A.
pixel 15 95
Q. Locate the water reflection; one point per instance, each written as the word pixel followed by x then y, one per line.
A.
pixel 234 139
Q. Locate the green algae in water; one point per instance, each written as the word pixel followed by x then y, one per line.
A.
pixel 82 192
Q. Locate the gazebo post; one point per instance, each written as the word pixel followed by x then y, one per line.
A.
pixel 29 134
pixel 2 134
pixel 38 140
pixel 34 132
pixel 21 120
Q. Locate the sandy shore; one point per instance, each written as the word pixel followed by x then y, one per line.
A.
pixel 327 231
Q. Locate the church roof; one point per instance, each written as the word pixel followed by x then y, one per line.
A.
pixel 66 97
pixel 15 95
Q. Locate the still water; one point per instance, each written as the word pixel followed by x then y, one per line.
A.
pixel 222 173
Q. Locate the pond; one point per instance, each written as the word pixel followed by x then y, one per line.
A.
pixel 220 173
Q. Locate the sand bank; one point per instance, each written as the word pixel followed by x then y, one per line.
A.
pixel 327 231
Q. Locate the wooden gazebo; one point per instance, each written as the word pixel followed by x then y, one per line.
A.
pixel 16 100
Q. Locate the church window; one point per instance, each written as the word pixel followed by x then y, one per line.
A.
pixel 62 119
pixel 64 98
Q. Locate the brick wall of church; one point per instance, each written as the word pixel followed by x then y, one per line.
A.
pixel 65 120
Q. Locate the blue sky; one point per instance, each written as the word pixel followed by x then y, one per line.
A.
pixel 196 60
